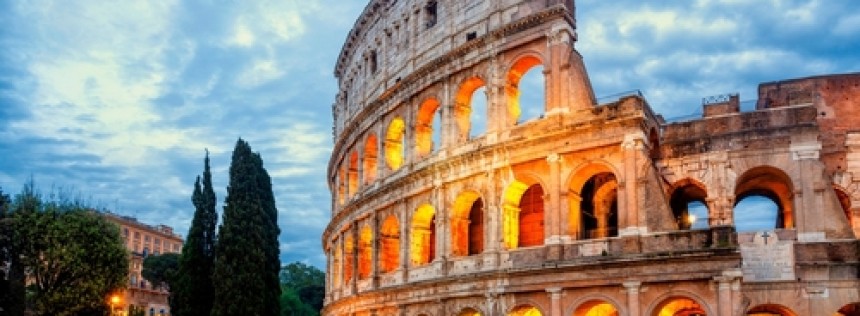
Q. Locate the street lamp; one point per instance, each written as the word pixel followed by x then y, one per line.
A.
pixel 114 300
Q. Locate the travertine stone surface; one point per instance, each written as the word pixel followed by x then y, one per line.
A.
pixel 452 196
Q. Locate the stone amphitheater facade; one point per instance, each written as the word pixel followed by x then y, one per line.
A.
pixel 570 206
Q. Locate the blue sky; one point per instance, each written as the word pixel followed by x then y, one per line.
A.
pixel 119 99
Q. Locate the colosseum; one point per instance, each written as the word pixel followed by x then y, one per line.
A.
pixel 452 194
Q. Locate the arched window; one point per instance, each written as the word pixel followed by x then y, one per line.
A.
pixel 341 185
pixel 525 310
pixel 467 225
pixel 596 308
pixel 599 206
pixel 353 173
pixel 770 310
pixel 849 310
pixel 365 252
pixel 470 108
pixel 394 144
pixel 689 206
pixel 679 306
pixel 349 257
pixel 531 217
pixel 428 127
pixel 763 200
pixel 390 238
pixel 468 311
pixel 525 90
pixel 422 248
pixel 371 150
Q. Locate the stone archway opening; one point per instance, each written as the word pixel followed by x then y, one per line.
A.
pixel 770 310
pixel 599 206
pixel 470 108
pixel 844 202
pixel 596 308
pixel 679 306
pixel 394 144
pixel 349 258
pixel 468 311
pixel 849 310
pixel 689 206
pixel 389 254
pixel 428 127
pixel 422 248
pixel 531 217
pixel 526 90
pixel 467 225
pixel 353 174
pixel 365 252
pixel 758 192
pixel 525 310
pixel 371 151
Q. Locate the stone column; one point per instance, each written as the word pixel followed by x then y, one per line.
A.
pixel 632 149
pixel 552 213
pixel 555 301
pixel 633 289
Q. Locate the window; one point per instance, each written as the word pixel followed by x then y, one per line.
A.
pixel 430 14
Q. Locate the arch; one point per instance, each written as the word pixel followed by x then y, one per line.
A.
pixel 511 210
pixel 468 311
pixel 365 252
pixel 371 151
pixel 427 127
pixel 467 224
pixel 525 310
pixel 593 199
pixel 771 183
pixel 349 256
pixel 394 143
pixel 685 193
pixel 389 255
pixel 341 184
pixel 464 116
pixel 531 217
pixel 423 239
pixel 770 310
pixel 352 174
pixel 844 201
pixel 596 307
pixel 679 305
pixel 849 310
pixel 524 66
pixel 337 264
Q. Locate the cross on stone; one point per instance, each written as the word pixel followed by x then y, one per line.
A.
pixel 765 235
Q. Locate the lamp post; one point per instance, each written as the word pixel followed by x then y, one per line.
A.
pixel 114 300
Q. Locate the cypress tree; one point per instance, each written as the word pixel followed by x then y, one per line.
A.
pixel 192 293
pixel 247 255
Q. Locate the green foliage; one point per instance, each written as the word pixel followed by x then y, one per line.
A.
pixel 192 292
pixel 246 258
pixel 161 269
pixel 74 257
pixel 303 289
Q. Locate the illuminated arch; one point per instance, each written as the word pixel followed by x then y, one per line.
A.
pixel 427 127
pixel 365 252
pixel 337 264
pixel 341 185
pixel 422 248
pixel 525 310
pixel 593 202
pixel 349 258
pixel 596 307
pixel 467 224
pixel 464 115
pixel 679 304
pixel 394 143
pixel 770 183
pixel 849 310
pixel 685 193
pixel 389 255
pixel 353 174
pixel 770 310
pixel 523 65
pixel 519 224
pixel 371 151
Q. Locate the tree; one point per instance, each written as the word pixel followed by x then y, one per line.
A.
pixel 9 302
pixel 74 257
pixel 303 290
pixel 247 256
pixel 161 270
pixel 192 292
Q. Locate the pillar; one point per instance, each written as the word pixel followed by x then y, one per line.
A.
pixel 633 289
pixel 555 301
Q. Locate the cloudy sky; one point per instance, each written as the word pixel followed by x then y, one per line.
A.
pixel 117 100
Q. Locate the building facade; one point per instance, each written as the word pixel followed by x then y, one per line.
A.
pixel 450 196
pixel 143 240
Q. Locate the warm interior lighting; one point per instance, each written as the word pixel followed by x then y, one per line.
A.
pixel 394 143
pixel 424 127
pixel 681 306
pixel 463 104
pixel 526 310
pixel 390 252
pixel 371 150
pixel 512 90
pixel 423 235
pixel 365 252
pixel 596 308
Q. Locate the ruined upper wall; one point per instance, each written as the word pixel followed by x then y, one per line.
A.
pixel 837 99
pixel 392 39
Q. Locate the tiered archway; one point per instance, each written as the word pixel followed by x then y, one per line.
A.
pixel 679 306
pixel 349 258
pixel 371 150
pixel 394 143
pixel 593 202
pixel 422 248
pixel 427 127
pixel 763 184
pixel 389 254
pixel 365 252
pixel 689 205
pixel 467 224
pixel 527 67
pixel 523 214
